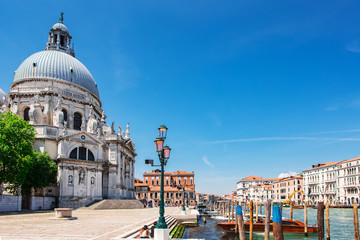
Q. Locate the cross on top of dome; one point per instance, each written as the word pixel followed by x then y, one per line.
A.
pixel 59 38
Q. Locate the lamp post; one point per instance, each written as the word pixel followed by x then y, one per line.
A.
pixel 164 155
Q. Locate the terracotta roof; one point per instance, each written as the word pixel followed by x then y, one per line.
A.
pixel 350 160
pixel 289 178
pixel 138 180
pixel 321 165
pixel 255 178
pixel 251 178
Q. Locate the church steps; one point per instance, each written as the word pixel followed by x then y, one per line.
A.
pixel 116 204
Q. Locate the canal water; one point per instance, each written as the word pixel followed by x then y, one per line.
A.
pixel 341 226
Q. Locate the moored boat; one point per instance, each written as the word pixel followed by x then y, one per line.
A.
pixel 289 226
pixel 298 207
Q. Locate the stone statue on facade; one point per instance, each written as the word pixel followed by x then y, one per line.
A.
pixel 4 106
pixel 92 124
pixel 113 127
pixel 103 117
pixel 81 177
pixel 119 131
pixel 14 107
pixel 70 179
pixel 58 117
pixel 35 112
pixel 64 131
pixel 127 133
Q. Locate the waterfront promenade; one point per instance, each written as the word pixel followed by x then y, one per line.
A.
pixel 90 225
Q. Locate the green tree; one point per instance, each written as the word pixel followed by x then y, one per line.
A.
pixel 20 165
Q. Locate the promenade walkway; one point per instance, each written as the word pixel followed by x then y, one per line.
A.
pixel 90 225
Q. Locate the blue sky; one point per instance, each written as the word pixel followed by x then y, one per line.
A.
pixel 245 87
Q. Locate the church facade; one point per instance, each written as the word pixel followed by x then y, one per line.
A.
pixel 57 94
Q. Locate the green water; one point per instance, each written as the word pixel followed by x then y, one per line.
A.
pixel 341 226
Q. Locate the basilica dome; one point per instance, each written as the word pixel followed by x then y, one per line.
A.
pixel 57 62
pixel 59 65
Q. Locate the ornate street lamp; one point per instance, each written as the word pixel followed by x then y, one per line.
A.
pixel 164 155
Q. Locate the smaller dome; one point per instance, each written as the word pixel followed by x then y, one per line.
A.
pixel 60 26
pixel 2 95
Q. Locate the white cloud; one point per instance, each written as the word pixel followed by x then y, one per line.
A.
pixel 261 139
pixel 354 46
pixel 206 161
pixel 332 108
pixel 215 119
pixel 288 174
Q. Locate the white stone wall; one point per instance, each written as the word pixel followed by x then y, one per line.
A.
pixel 323 184
pixel 42 203
pixel 349 182
pixel 10 203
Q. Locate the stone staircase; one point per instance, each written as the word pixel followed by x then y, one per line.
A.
pixel 170 221
pixel 116 204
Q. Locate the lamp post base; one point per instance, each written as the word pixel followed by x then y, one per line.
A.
pixel 161 234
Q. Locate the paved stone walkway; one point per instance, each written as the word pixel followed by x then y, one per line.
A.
pixel 90 225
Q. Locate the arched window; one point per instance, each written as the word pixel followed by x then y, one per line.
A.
pixel 26 114
pixel 82 153
pixel 77 121
pixel 65 115
pixel 91 156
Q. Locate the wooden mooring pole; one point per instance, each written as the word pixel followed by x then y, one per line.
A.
pixel 236 217
pixel 291 210
pixel 251 220
pixel 267 219
pixel 356 221
pixel 240 223
pixel 320 220
pixel 277 224
pixel 257 211
pixel 327 219
pixel 305 219
pixel 229 210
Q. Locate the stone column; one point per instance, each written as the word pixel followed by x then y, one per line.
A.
pixel 123 176
pixel 58 41
pixel 98 182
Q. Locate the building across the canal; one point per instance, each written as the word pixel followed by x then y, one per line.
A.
pixel 336 182
pixel 260 192
pixel 57 94
pixel 242 186
pixel 285 187
pixel 175 184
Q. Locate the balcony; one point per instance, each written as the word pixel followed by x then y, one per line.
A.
pixel 330 180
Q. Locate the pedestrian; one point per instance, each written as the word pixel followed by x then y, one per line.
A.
pixel 152 229
pixel 144 232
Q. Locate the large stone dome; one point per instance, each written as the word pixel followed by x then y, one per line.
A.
pixel 52 64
